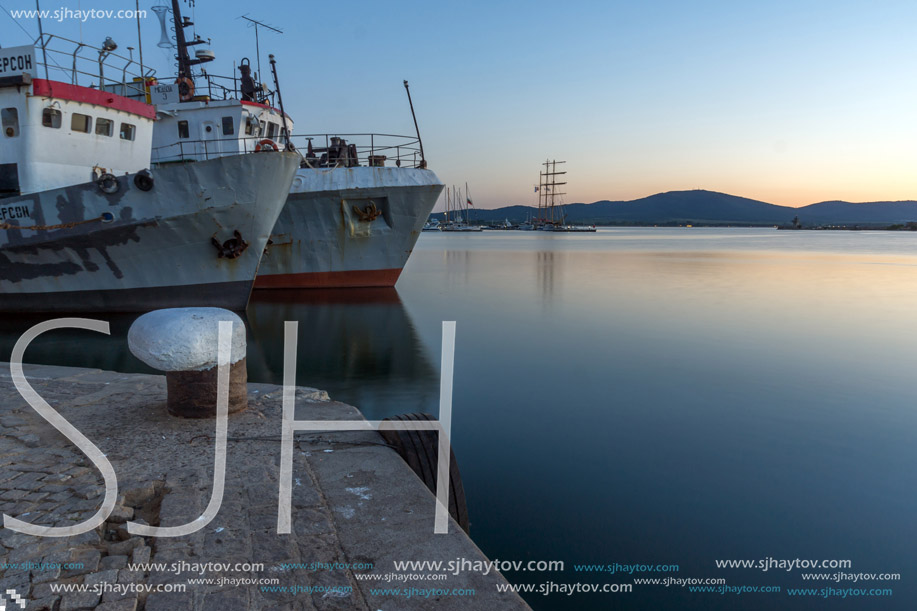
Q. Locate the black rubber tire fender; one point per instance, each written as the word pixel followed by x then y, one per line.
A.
pixel 143 180
pixel 420 450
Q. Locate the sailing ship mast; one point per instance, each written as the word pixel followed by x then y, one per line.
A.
pixel 457 204
pixel 547 190
pixel 457 210
pixel 463 210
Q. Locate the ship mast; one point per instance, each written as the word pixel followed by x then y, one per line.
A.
pixel 185 78
pixel 463 209
pixel 548 183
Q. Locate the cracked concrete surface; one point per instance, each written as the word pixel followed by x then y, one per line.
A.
pixel 354 501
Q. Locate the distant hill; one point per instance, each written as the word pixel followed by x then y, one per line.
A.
pixel 846 213
pixel 711 208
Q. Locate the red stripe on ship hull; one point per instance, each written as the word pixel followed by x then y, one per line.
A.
pixel 87 95
pixel 328 280
pixel 337 296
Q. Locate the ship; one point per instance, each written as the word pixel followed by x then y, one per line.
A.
pixel 89 223
pixel 350 226
pixel 549 218
pixel 357 204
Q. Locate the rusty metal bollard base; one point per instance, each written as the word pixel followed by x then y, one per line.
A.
pixel 193 394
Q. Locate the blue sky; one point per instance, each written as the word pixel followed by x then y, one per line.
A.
pixel 788 102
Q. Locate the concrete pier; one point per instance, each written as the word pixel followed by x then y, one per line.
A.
pixel 356 508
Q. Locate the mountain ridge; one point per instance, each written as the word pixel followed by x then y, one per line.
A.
pixel 700 206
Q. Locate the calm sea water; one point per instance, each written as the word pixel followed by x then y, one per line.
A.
pixel 640 396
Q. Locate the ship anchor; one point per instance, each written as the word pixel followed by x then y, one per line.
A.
pixel 231 248
pixel 367 214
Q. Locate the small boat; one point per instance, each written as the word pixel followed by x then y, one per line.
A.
pixel 574 229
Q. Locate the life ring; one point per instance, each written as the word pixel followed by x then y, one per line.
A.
pixel 185 88
pixel 108 183
pixel 266 145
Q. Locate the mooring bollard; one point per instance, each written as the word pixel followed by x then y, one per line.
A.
pixel 184 342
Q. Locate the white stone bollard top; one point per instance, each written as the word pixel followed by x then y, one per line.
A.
pixel 184 339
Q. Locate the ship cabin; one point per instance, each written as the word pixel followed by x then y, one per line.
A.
pixel 204 128
pixel 58 132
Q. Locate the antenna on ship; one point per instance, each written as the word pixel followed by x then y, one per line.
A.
pixel 423 160
pixel 259 24
pixel 41 37
pixel 140 42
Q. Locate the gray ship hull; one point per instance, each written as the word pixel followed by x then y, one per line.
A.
pixel 348 227
pixel 79 249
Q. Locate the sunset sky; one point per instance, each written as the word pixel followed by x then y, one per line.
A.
pixel 787 102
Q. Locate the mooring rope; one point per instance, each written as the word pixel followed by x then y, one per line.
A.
pixel 7 225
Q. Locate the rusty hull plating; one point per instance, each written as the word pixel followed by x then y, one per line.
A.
pixel 79 249
pixel 348 227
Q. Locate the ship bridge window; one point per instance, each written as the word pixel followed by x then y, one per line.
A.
pixel 51 117
pixel 128 131
pixel 250 124
pixel 227 126
pixel 105 127
pixel 80 123
pixel 272 130
pixel 10 122
pixel 183 130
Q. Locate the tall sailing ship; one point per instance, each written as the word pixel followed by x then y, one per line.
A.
pixel 551 216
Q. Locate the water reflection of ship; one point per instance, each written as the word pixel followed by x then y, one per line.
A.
pixel 72 347
pixel 358 344
pixel 457 265
pixel 545 268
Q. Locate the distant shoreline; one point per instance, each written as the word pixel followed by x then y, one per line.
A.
pixel 910 226
pixel 702 208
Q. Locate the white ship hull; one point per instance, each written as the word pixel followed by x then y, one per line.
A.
pixel 348 227
pixel 80 249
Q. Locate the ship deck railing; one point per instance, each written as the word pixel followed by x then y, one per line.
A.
pixel 77 63
pixel 217 87
pixel 328 150
pixel 362 149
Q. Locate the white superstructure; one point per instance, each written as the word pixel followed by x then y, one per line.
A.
pixel 56 134
pixel 204 129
